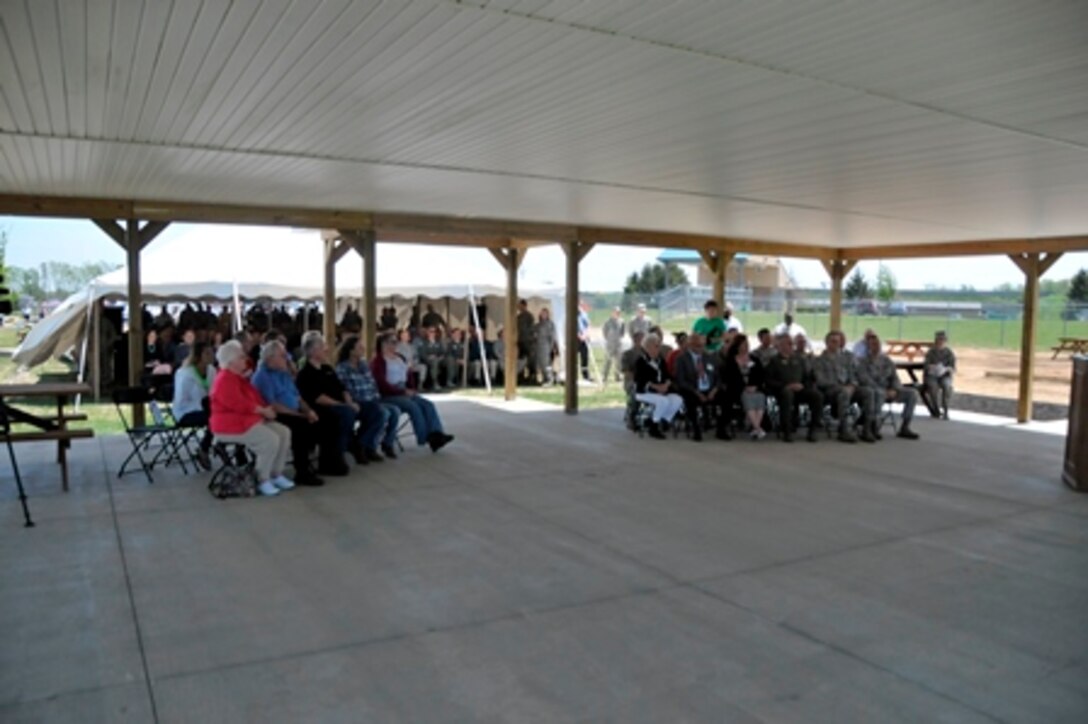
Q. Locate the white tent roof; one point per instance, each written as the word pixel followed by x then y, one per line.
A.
pixel 275 264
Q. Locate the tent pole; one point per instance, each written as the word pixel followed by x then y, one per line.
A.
pixel 87 331
pixel 479 340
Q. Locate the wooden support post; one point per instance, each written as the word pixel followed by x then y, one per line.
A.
pixel 837 269
pixel 328 327
pixel 1034 265
pixel 367 249
pixel 135 314
pixel 510 259
pixel 575 251
pixel 133 239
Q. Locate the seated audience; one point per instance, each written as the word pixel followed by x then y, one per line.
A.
pixel 681 345
pixel 336 411
pixel 789 327
pixel 742 375
pixel 877 371
pixel 766 350
pixel 394 382
pixel 409 350
pixel 181 352
pixel 653 386
pixel 432 353
pixel 499 348
pixel 861 347
pixel 192 383
pixel 475 362
pixel 240 415
pixel 940 365
pixel 455 359
pixel 835 374
pixel 274 381
pixel 695 375
pixel 788 380
pixel 355 375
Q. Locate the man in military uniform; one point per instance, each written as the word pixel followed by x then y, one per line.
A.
pixel 837 380
pixel 876 370
pixel 431 353
pixel 526 338
pixel 455 358
pixel 788 381
pixel 940 366
pixel 613 344
pixel 640 323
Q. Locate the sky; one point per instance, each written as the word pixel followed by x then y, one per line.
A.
pixel 32 241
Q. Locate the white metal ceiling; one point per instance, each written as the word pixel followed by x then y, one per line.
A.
pixel 833 123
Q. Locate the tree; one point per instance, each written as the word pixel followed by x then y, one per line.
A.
pixel 8 299
pixel 655 278
pixel 1076 298
pixel 55 278
pixel 885 284
pixel 857 286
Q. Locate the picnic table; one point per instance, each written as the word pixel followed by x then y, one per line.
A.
pixel 49 427
pixel 1073 345
pixel 907 348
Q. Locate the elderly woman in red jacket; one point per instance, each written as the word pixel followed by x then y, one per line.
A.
pixel 240 415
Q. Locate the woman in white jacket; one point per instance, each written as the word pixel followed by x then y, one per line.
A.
pixel 192 382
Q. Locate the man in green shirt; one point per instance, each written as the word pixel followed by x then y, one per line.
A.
pixel 711 326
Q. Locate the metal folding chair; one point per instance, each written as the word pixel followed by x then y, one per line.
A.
pixel 152 444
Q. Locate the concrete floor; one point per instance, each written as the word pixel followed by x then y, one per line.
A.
pixel 548 568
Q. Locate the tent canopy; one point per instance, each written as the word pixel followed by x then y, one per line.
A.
pixel 288 265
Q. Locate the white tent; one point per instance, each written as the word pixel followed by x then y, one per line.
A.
pixel 209 263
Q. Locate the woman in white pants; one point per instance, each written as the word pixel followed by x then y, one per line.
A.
pixel 239 414
pixel 653 386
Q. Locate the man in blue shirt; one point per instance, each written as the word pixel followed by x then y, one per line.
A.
pixel 277 387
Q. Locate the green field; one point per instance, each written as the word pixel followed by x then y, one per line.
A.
pixel 984 333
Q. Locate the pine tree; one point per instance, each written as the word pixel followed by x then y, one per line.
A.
pixel 857 287
pixel 885 284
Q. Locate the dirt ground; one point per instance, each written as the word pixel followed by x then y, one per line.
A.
pixel 1052 377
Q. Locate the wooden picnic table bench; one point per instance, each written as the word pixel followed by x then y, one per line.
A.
pixel 51 427
pixel 1073 345
pixel 907 348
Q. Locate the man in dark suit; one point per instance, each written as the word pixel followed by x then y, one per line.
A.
pixel 696 379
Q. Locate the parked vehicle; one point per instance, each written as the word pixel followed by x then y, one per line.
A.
pixel 897 309
pixel 866 308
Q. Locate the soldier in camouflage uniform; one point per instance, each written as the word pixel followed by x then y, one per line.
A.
pixel 940 366
pixel 837 380
pixel 613 344
pixel 455 358
pixel 787 380
pixel 431 353
pixel 876 370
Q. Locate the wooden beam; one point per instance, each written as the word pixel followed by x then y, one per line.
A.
pixel 368 251
pixel 570 346
pixel 710 258
pixel 150 230
pixel 510 330
pixel 503 257
pixel 113 230
pixel 391 227
pixel 636 237
pixel 970 248
pixel 1022 262
pixel 1029 263
pixel 329 323
pixel 135 314
pixel 1048 261
pixel 837 269
pixel 582 249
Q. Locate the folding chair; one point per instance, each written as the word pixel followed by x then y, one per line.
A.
pixel 151 444
pixel 404 427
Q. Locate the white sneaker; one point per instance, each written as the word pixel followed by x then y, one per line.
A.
pixel 282 482
pixel 268 488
